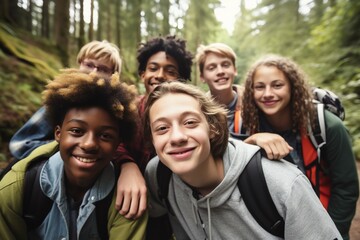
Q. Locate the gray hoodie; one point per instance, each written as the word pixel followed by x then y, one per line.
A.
pixel 222 214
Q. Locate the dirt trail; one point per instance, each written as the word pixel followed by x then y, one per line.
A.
pixel 355 225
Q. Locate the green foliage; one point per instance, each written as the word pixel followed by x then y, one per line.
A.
pixel 24 69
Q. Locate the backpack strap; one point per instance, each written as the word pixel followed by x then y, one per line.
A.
pixel 102 208
pixel 255 193
pixel 163 175
pixel 317 137
pixel 36 205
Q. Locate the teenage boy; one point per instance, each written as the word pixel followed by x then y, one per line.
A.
pixel 191 139
pixel 101 57
pixel 160 59
pixel 217 67
pixel 90 117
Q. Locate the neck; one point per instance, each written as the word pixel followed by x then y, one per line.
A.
pixel 208 178
pixel 280 122
pixel 224 97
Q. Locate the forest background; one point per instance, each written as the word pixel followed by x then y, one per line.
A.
pixel 39 37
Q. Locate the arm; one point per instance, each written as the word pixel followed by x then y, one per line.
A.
pixel 12 225
pixel 274 145
pixel 36 132
pixel 131 197
pixel 343 174
pixel 305 217
pixel 122 228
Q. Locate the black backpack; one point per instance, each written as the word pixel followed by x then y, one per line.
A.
pixel 254 191
pixel 36 205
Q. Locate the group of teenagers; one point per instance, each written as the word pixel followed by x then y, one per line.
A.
pixel 100 138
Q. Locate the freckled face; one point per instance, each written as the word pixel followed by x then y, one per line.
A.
pixel 159 68
pixel 272 92
pixel 180 133
pixel 88 139
pixel 219 72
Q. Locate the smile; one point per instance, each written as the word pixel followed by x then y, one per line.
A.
pixel 86 160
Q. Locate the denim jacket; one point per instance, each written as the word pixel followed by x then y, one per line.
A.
pixel 36 131
pixel 56 223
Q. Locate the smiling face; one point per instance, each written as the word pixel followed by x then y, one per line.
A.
pixel 159 68
pixel 218 72
pixel 88 139
pixel 180 133
pixel 272 92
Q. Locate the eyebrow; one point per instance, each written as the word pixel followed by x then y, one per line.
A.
pixel 85 123
pixel 182 115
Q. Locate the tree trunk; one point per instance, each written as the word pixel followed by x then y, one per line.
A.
pixel 29 16
pixel 62 24
pixel 91 25
pixel 81 41
pixel 118 23
pixel 45 30
pixel 100 17
pixel 165 6
pixel 108 21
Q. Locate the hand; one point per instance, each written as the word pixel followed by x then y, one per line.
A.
pixel 131 196
pixel 274 145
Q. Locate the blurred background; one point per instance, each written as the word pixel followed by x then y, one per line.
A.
pixel 39 37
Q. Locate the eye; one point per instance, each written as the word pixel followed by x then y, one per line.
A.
pixel 89 65
pixel 106 136
pixel 191 123
pixel 210 68
pixel 152 68
pixel 76 131
pixel 104 69
pixel 172 72
pixel 278 85
pixel 226 64
pixel 259 87
pixel 160 129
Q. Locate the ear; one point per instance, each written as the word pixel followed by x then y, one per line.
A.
pixel 202 78
pixel 57 133
pixel 213 131
pixel 142 76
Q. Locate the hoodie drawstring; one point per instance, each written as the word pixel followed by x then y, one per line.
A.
pixel 209 218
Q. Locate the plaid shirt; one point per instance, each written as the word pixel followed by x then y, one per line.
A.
pixel 36 132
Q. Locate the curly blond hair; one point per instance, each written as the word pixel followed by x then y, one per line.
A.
pixel 73 88
pixel 302 108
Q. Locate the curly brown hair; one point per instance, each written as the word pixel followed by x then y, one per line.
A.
pixel 73 88
pixel 302 108
pixel 215 114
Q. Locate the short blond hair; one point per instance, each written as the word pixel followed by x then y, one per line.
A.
pixel 103 50
pixel 216 48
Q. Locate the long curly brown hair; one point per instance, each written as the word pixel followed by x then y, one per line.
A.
pixel 302 108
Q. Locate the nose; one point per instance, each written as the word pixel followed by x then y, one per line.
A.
pixel 160 74
pixel 89 142
pixel 219 69
pixel 177 136
pixel 268 92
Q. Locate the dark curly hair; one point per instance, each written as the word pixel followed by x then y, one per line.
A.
pixel 172 46
pixel 73 88
pixel 302 108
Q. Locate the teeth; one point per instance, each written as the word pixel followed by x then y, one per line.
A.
pixel 86 160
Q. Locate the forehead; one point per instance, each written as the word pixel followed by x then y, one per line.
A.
pixel 211 58
pixel 92 115
pixel 269 73
pixel 174 104
pixel 161 58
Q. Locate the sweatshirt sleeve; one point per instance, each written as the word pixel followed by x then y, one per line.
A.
pixel 305 216
pixel 339 156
